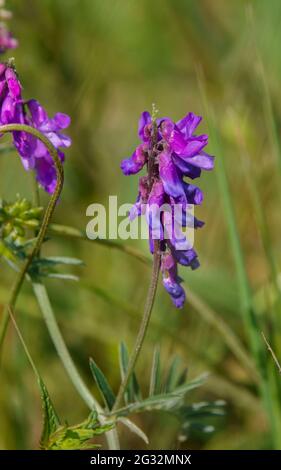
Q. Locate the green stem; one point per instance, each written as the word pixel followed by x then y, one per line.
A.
pixel 63 353
pixel 46 219
pixel 143 327
pixel 74 233
pixel 49 317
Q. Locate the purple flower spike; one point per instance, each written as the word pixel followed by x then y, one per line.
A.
pixel 34 154
pixel 170 151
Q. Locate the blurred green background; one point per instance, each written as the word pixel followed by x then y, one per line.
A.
pixel 103 62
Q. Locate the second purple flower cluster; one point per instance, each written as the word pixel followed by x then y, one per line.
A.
pixel 14 110
pixel 170 151
pixel 7 40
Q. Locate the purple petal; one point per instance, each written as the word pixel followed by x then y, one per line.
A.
pixel 38 113
pixel 168 263
pixel 144 121
pixel 136 211
pixel 193 147
pixel 3 68
pixel 186 168
pixel 2 87
pixel 58 140
pixel 135 163
pixel 8 110
pixel 13 83
pixel 157 194
pixel 185 257
pixel 153 214
pixel 190 221
pixel 173 231
pixel 189 123
pixel 171 134
pixel 169 175
pixel 176 292
pixel 203 160
pixel 194 195
pixel 129 166
pixel 62 120
pixel 46 174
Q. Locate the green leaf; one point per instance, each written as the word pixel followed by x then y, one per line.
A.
pixel 103 385
pixel 134 429
pixel 133 392
pixel 44 267
pixel 55 260
pixel 155 377
pixel 77 437
pixel 163 402
pixel 64 277
pixel 172 376
pixel 51 419
pixel 200 417
pixel 195 383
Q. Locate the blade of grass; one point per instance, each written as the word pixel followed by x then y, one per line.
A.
pixel 271 352
pixel 272 129
pixel 232 341
pixel 248 314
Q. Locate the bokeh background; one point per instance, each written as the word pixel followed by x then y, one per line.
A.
pixel 103 62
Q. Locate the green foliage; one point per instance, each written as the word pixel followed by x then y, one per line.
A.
pixel 51 419
pixel 45 267
pixel 64 437
pixel 167 393
pixel 17 219
pixel 151 50
pixel 155 378
pixel 77 437
pixel 103 386
pixel 133 389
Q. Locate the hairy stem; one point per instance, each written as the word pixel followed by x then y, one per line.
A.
pixel 46 219
pixel 143 327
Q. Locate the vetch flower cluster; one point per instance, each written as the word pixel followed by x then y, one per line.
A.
pixel 14 110
pixel 7 41
pixel 170 152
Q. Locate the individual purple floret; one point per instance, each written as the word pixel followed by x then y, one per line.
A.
pixel 34 154
pixel 170 151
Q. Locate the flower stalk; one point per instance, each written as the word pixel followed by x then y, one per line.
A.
pixel 9 128
pixel 152 288
pixel 144 325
